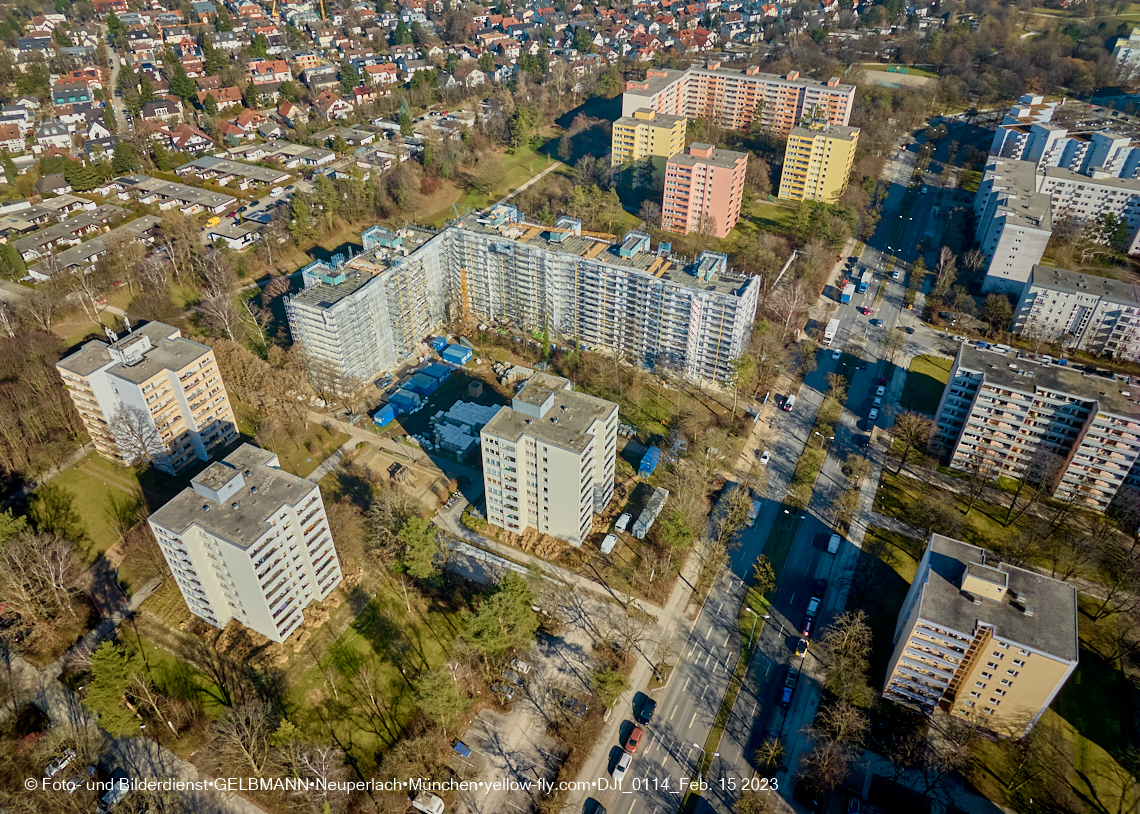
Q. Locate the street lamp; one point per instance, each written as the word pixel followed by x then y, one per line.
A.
pixel 795 516
pixel 703 753
pixel 755 619
pixel 822 438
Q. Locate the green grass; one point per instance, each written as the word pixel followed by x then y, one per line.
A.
pixel 910 71
pixel 968 180
pixel 79 503
pixel 175 676
pixel 925 382
pixel 303 455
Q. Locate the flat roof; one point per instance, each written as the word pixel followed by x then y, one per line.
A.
pixel 210 163
pixel 323 295
pixel 838 132
pixel 1029 376
pixel 1028 206
pixel 265 491
pixel 658 83
pixel 719 157
pixel 169 351
pixel 1077 282
pixel 666 120
pixel 565 424
pixel 1051 629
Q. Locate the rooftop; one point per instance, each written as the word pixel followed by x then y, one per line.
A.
pixel 1027 376
pixel 1025 206
pixel 1051 629
pixel 243 517
pixel 566 422
pixel 169 351
pixel 698 153
pixel 659 83
pixel 838 132
pixel 323 295
pixel 1078 283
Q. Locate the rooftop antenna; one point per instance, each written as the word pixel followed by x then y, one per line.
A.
pixel 111 335
pixel 127 322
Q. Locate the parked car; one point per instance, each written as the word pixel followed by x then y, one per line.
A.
pixel 881 390
pixel 878 323
pixel 809 623
pixel 835 354
pixel 634 739
pixel 820 587
pixel 801 647
pixel 873 414
pixel 622 766
pixel 623 522
pixel 765 456
pixel 909 329
pixel 648 707
pixel 462 749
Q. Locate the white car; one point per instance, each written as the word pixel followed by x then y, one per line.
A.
pixel 765 456
pixel 835 354
pixel 881 390
pixel 896 275
pixel 873 414
pixel 623 522
pixel 878 402
pixel 609 543
pixel 622 766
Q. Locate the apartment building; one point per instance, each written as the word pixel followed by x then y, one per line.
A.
pixel 249 542
pixel 1093 314
pixel 817 162
pixel 151 395
pixel 734 97
pixel 548 460
pixel 367 316
pixel 982 640
pixel 999 416
pixel 704 187
pixel 1014 135
pixel 647 134
pixel 1126 53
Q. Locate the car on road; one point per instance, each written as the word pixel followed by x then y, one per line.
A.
pixel 809 623
pixel 241 208
pixel 597 809
pixel 231 214
pixel 959 338
pixel 820 587
pixel 878 323
pixel 835 354
pixel 634 739
pixel 801 647
pixel 865 311
pixel 880 390
pixel 896 275
pixel 648 707
pixel 765 456
pixel 623 522
pixel 909 329
pixel 622 766
pixel 871 416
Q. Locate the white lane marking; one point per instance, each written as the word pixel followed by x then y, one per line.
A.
pixel 632 803
pixel 726 638
pixel 727 659
pixel 686 687
pixel 718 610
pixel 691 720
pixel 709 656
pixel 708 632
pixel 674 712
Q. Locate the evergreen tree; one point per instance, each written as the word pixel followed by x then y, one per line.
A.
pixel 124 159
pixel 223 22
pixel 406 123
pixel 112 672
pixel 109 120
pixel 486 62
pixel 505 620
pixel 259 46
pixel 9 167
pixel 401 36
pixel 162 158
pixel 249 96
pixel 349 77
pixel 210 105
pixel 146 89
pixel 182 85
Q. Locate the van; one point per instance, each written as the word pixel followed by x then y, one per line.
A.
pixel 789 403
pixel 623 522
pixel 833 543
pixel 276 192
pixel 214 221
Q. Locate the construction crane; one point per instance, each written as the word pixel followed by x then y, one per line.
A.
pixel 273 11
pixel 323 10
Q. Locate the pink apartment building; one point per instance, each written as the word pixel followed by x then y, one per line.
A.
pixel 703 189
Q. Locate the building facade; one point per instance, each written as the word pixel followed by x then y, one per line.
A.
pixel 982 640
pixel 704 187
pixel 1080 432
pixel 1093 314
pixel 1126 53
pixel 734 98
pixel 646 134
pixel 549 460
pixel 817 162
pixel 249 542
pixel 151 395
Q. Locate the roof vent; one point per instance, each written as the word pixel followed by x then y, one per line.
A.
pixel 233 505
pixel 205 507
pixel 1028 610
pixel 253 489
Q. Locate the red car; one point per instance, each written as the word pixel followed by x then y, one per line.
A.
pixel 866 311
pixel 634 739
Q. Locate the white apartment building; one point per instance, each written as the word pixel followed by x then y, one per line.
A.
pixel 151 395
pixel 1013 136
pixel 997 414
pixel 249 542
pixel 549 460
pixel 1126 52
pixel 1094 314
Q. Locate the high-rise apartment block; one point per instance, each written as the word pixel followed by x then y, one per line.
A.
pixel 1000 417
pixel 1126 52
pixel 817 162
pixel 689 317
pixel 150 395
pixel 249 542
pixel 647 134
pixel 734 98
pixel 549 460
pixel 983 640
pixel 1093 314
pixel 704 187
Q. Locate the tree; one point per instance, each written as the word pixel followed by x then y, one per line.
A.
pixel 401 36
pixel 38 573
pixel 349 77
pixel 124 159
pixel 981 467
pixel 524 123
pixel 249 96
pixel 743 370
pixel 947 273
pixel 505 619
pixel 136 435
pixel 753 802
pixel 243 741
pixel 109 120
pixel 650 212
pixel 112 672
pixel 608 685
pixel 846 645
pixel 421 548
pixel 790 301
pixel 182 85
pixel 1037 476
pixel 913 431
pixel 764 574
pixel 439 695
pixel 486 62
pixel 997 312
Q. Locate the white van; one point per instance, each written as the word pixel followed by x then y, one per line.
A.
pixel 789 403
pixel 623 522
pixel 276 192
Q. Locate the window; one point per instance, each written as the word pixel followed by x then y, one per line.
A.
pixel 975 694
pixel 1011 673
pixel 1022 651
pixel 994 701
pixel 1018 663
pixel 979 684
pixel 968 703
pixel 992 665
pixel 1005 682
pixel 987 675
pixel 998 656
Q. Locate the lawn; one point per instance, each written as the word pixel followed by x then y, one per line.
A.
pixel 910 70
pixel 302 455
pixel 925 382
pixel 884 570
pixel 88 504
pixel 968 180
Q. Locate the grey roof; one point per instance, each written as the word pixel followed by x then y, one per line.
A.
pixel 719 157
pixel 566 422
pixel 834 131
pixel 1028 376
pixel 1077 283
pixel 266 490
pixel 323 295
pixel 658 120
pixel 1026 206
pixel 1052 628
pixel 169 352
pixel 659 83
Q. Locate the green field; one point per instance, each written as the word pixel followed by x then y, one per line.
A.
pixel 925 382
pixel 910 70
pixel 88 503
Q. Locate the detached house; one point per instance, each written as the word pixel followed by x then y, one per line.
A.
pixel 292 114
pixel 53 134
pixel 330 106
pixel 11 137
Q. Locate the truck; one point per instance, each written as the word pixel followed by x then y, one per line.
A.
pixel 789 686
pixel 847 293
pixel 833 543
pixel 830 331
pixel 865 281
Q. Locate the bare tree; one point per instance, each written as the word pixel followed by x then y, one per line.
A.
pixel 846 645
pixel 39 576
pixel 8 323
pixel 87 290
pixel 137 436
pixel 913 431
pixel 243 737
pixel 42 305
pixel 946 272
pixel 981 472
pixel 1037 477
pixel 790 301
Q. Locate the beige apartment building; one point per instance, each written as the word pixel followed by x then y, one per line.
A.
pixel 734 98
pixel 817 162
pixel 151 395
pixel 249 542
pixel 646 134
pixel 980 638
pixel 999 413
pixel 549 460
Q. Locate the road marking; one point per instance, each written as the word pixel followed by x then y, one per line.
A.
pixel 718 610
pixel 631 805
pixel 793 597
pixel 727 659
pixel 708 632
pixel 726 638
pixel 686 687
pixel 674 712
pixel 691 720
pixel 709 656
pixel 755 706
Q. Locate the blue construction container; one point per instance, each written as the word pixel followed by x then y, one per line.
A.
pixel 438 343
pixel 437 372
pixel 423 384
pixel 404 400
pixel 649 462
pixel 457 354
pixel 384 416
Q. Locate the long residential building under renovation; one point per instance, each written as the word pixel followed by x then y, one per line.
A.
pixel 691 317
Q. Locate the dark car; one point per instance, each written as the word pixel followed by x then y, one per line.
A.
pixel 809 623
pixel 648 707
pixel 909 329
pixel 820 587
pixel 878 323
pixel 597 809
